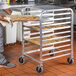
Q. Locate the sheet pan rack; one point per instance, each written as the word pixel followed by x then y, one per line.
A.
pixel 51 35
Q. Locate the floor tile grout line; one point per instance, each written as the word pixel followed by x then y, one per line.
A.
pixel 47 70
pixel 11 72
pixel 55 68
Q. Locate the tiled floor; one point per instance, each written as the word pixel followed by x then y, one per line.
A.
pixel 55 67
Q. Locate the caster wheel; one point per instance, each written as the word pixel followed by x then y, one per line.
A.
pixel 6 45
pixel 21 60
pixel 39 69
pixel 13 44
pixel 70 61
pixel 51 52
pixel 20 43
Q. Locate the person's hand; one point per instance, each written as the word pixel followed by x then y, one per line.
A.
pixel 2 16
pixel 2 19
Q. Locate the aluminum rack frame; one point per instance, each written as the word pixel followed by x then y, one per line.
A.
pixel 49 19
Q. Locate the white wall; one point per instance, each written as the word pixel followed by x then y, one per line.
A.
pixel 3 0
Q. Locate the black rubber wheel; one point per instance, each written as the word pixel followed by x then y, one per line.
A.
pixel 39 69
pixel 20 43
pixel 51 52
pixel 70 61
pixel 21 60
pixel 6 45
pixel 13 44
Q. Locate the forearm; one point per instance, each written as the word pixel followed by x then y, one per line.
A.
pixel 8 11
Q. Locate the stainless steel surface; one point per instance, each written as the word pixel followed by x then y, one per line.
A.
pixel 41 39
pixel 56 52
pixel 72 33
pixel 56 57
pixel 46 49
pixel 32 58
pixel 22 41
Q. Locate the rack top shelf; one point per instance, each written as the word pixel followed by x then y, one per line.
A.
pixel 24 18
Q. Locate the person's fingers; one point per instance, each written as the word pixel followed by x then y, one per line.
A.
pixel 1 19
pixel 2 16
